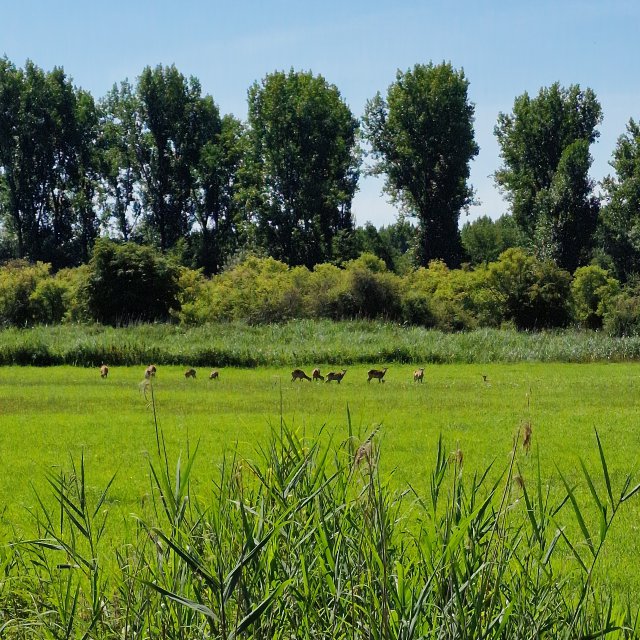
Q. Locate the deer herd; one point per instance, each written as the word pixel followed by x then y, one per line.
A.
pixel 296 374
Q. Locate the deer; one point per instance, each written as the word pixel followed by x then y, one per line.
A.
pixel 418 375
pixel 214 375
pixel 150 371
pixel 315 374
pixel 104 371
pixel 299 374
pixel 337 376
pixel 190 373
pixel 376 373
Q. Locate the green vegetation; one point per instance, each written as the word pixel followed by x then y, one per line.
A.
pixel 287 511
pixel 130 283
pixel 241 345
pixel 422 140
pixel 154 162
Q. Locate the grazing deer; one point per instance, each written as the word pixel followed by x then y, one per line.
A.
pixel 315 374
pixel 190 373
pixel 337 376
pixel 418 375
pixel 104 371
pixel 299 374
pixel 376 373
pixel 214 375
pixel 150 371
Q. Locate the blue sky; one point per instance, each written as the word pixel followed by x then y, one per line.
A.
pixel 505 48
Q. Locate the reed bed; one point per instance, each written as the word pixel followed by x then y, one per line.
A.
pixel 309 540
pixel 242 345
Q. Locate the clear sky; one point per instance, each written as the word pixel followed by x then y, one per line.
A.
pixel 505 48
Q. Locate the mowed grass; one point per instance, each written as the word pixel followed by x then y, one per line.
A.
pixel 50 415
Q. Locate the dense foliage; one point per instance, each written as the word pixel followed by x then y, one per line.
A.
pixel 621 213
pixel 126 283
pixel 302 166
pixel 544 145
pixel 309 540
pixel 155 162
pixel 422 140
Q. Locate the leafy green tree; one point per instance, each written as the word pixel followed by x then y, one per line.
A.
pixel 48 131
pixel 130 283
pixel 170 166
pixel 485 239
pixel 592 291
pixel 302 167
pixel 393 244
pixel 120 174
pixel 620 217
pixel 544 146
pixel 422 140
pixel 176 123
pixel 532 293
pixel 219 218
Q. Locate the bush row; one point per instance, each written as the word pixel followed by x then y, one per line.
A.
pixel 128 283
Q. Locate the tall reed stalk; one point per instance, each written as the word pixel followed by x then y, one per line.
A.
pixel 309 540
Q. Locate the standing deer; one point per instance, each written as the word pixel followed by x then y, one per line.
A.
pixel 150 371
pixel 315 374
pixel 299 374
pixel 418 375
pixel 376 373
pixel 214 375
pixel 190 373
pixel 337 376
pixel 104 371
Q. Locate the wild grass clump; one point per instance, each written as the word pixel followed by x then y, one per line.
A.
pixel 309 540
pixel 304 341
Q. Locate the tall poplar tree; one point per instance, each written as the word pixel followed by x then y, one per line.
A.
pixel 302 168
pixel 544 145
pixel 48 130
pixel 422 141
pixel 620 216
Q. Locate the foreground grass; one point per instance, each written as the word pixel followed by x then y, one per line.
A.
pixel 48 416
pixel 298 342
pixel 308 538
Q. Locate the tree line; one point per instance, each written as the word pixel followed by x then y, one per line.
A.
pixel 157 164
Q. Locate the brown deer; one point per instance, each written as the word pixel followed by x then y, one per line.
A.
pixel 214 375
pixel 315 374
pixel 150 371
pixel 337 376
pixel 418 375
pixel 104 371
pixel 190 373
pixel 299 374
pixel 376 373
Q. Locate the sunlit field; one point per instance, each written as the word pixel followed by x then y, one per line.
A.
pixel 51 416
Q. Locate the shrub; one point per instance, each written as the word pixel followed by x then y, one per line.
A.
pixel 417 309
pixel 622 316
pixel 128 282
pixel 592 291
pixel 534 294
pixel 373 291
pixel 48 301
pixel 18 282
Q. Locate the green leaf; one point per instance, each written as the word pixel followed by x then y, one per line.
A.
pixel 196 606
pixel 256 613
pixel 578 514
pixel 233 576
pixel 605 471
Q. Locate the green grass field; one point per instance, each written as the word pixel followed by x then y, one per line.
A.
pixel 49 415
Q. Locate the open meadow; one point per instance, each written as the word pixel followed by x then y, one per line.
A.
pixel 51 416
